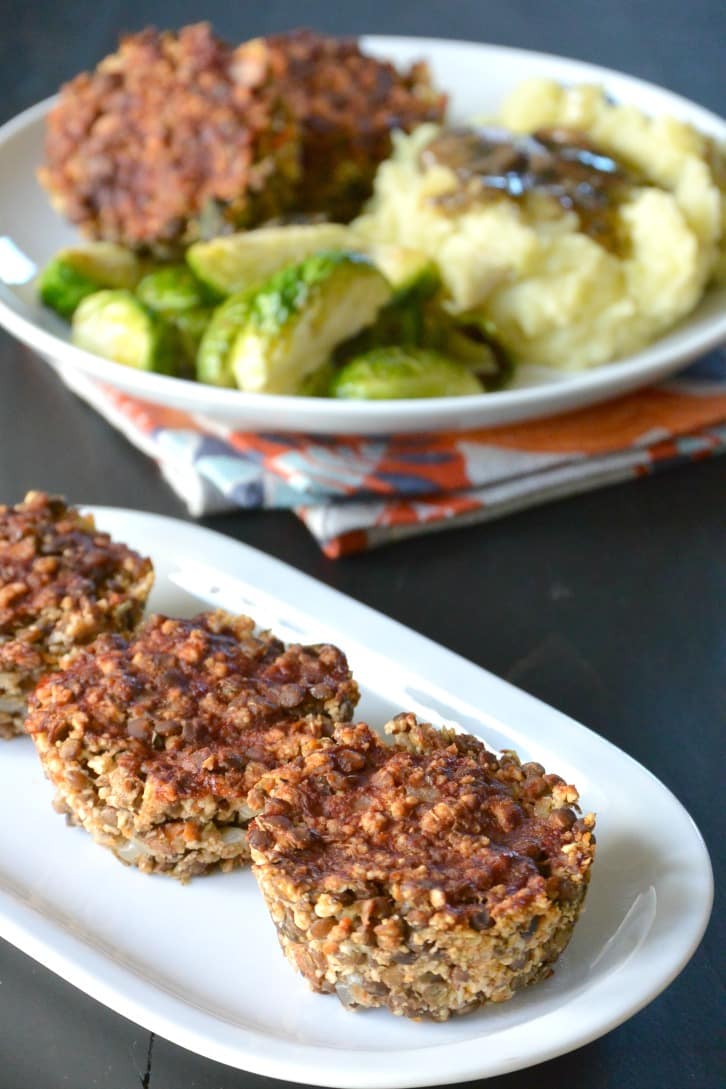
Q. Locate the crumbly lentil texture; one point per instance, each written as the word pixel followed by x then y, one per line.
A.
pixel 178 136
pixel 162 142
pixel 346 104
pixel 62 583
pixel 429 876
pixel 153 743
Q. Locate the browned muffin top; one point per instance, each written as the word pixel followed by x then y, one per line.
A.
pixel 202 705
pixel 435 821
pixel 161 132
pixel 62 581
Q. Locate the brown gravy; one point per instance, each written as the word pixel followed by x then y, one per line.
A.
pixel 558 163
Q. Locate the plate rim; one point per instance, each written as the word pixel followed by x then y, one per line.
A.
pixel 138 999
pixel 577 390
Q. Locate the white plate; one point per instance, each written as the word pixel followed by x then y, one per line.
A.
pixel 477 77
pixel 200 964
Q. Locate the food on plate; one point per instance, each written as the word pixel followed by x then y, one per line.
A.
pixel 346 105
pixel 75 273
pixel 578 228
pixel 179 136
pixel 429 876
pixel 165 140
pixel 391 373
pixel 62 583
pixel 116 325
pixel 171 290
pixel 233 262
pixel 412 275
pixel 566 232
pixel 288 326
pixel 153 742
pixel 191 325
pixel 175 293
pixel 213 356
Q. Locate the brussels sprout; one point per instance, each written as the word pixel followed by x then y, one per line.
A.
pixel 175 293
pixel 114 324
pixel 213 357
pixel 317 384
pixel 191 326
pixel 73 274
pixel 171 290
pixel 233 262
pixel 412 275
pixel 474 342
pixel 399 324
pixel 299 315
pixel 392 373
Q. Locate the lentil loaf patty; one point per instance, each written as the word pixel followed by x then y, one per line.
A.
pixel 428 876
pixel 163 136
pixel 62 583
pixel 153 743
pixel 347 104
pixel 178 136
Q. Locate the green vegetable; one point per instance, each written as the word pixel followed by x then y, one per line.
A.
pixel 299 315
pixel 412 275
pixel 171 290
pixel 405 319
pixel 317 384
pixel 233 262
pixel 213 357
pixel 175 293
pixel 114 324
pixel 393 373
pixel 73 274
pixel 191 326
pixel 473 341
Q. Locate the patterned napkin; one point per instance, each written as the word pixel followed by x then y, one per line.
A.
pixel 360 492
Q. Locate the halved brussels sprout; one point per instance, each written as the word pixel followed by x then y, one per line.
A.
pixel 474 342
pixel 175 293
pixel 237 261
pixel 394 373
pixel 171 290
pixel 297 317
pixel 115 325
pixel 213 357
pixel 317 384
pixel 73 274
pixel 191 326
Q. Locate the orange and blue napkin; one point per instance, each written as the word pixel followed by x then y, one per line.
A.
pixel 360 492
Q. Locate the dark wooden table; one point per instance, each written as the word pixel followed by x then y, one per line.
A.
pixel 609 606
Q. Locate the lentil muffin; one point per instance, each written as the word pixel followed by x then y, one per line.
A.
pixel 154 742
pixel 346 104
pixel 62 583
pixel 428 876
pixel 164 142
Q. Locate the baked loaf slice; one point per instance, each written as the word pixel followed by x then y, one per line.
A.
pixel 429 876
pixel 346 104
pixel 62 583
pixel 165 142
pixel 178 135
pixel 153 743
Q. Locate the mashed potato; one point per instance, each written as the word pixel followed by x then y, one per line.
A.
pixel 556 296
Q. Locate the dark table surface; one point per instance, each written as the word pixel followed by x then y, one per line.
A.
pixel 609 606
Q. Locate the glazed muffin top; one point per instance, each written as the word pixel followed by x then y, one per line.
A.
pixel 62 581
pixel 202 706
pixel 435 821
